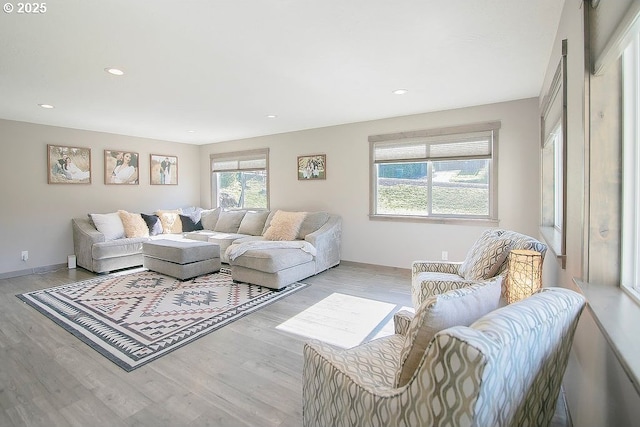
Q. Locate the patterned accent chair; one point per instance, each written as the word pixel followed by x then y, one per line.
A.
pixel 487 258
pixel 503 370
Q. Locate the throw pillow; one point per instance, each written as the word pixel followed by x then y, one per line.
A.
pixel 109 224
pixel 209 218
pixel 154 224
pixel 188 224
pixel 134 225
pixel 458 307
pixel 229 221
pixel 193 212
pixel 253 223
pixel 311 223
pixel 170 221
pixel 284 225
pixel 486 256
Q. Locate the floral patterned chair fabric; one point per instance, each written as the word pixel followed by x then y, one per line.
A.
pixel 503 370
pixel 486 259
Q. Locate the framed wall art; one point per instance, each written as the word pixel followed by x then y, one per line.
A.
pixel 312 167
pixel 121 167
pixel 68 165
pixel 164 169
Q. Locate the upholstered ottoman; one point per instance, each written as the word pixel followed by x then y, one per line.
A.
pixel 180 258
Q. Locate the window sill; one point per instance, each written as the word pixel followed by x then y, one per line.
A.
pixel 553 239
pixel 436 220
pixel 617 315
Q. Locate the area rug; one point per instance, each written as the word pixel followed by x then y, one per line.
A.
pixel 135 318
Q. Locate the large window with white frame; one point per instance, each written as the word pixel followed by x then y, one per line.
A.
pixel 447 173
pixel 630 274
pixel 240 179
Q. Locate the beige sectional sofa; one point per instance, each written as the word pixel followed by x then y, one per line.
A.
pixel 255 258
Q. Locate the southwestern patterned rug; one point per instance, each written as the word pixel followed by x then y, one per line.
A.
pixel 135 318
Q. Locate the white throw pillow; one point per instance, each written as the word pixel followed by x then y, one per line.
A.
pixel 458 307
pixel 109 224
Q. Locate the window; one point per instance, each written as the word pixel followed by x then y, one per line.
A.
pixel 630 273
pixel 240 179
pixel 438 173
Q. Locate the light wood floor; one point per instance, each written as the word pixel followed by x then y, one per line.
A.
pixel 246 374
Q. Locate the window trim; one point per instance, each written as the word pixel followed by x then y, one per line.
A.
pixel 237 156
pixel 491 220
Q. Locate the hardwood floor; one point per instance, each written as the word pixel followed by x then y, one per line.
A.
pixel 247 373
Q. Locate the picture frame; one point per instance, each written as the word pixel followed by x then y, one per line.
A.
pixel 163 169
pixel 68 164
pixel 121 167
pixel 312 167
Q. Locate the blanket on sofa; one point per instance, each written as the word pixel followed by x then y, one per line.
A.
pixel 237 249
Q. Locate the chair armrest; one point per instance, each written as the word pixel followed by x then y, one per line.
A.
pixel 435 267
pixel 327 240
pixel 401 321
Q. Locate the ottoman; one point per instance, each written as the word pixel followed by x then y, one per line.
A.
pixel 180 258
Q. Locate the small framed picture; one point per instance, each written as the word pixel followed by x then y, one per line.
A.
pixel 68 165
pixel 312 167
pixel 164 169
pixel 121 167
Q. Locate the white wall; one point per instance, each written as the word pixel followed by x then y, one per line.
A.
pixel 36 216
pixel 346 189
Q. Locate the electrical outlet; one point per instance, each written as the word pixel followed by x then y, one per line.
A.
pixel 25 255
pixel 445 255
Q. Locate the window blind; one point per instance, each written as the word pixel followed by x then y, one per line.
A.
pixel 465 146
pixel 612 25
pixel 239 161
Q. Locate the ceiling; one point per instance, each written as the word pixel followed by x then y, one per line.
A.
pixel 218 68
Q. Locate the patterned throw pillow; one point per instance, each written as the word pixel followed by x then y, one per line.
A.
pixel 459 307
pixel 486 256
pixel 134 225
pixel 284 225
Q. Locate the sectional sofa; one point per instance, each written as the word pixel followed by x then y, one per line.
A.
pixel 269 248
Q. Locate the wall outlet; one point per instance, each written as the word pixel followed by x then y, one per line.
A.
pixel 25 255
pixel 445 255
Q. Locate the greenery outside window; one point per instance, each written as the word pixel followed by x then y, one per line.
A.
pixel 441 174
pixel 240 179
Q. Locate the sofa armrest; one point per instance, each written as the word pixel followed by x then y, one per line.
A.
pixel 85 236
pixel 327 240
pixel 435 267
pixel 401 321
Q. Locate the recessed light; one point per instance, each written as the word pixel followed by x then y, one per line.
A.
pixel 191 131
pixel 272 116
pixel 400 91
pixel 49 106
pixel 114 71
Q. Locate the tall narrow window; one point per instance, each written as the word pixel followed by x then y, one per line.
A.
pixel 631 169
pixel 240 179
pixel 437 173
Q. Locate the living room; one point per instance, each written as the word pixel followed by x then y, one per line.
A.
pixel 599 385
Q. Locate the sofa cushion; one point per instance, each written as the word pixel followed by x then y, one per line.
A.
pixel 253 223
pixel 209 218
pixel 312 222
pixel 486 256
pixel 118 248
pixel 459 307
pixel 170 220
pixel 229 221
pixel 285 225
pixel 189 224
pixel 154 224
pixel 109 224
pixel 134 225
pixel 272 260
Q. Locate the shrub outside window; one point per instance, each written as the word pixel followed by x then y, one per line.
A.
pixel 438 173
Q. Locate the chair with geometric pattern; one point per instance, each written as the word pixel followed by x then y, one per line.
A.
pixel 487 258
pixel 505 369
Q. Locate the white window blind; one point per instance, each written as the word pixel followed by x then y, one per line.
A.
pixel 239 161
pixel 613 23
